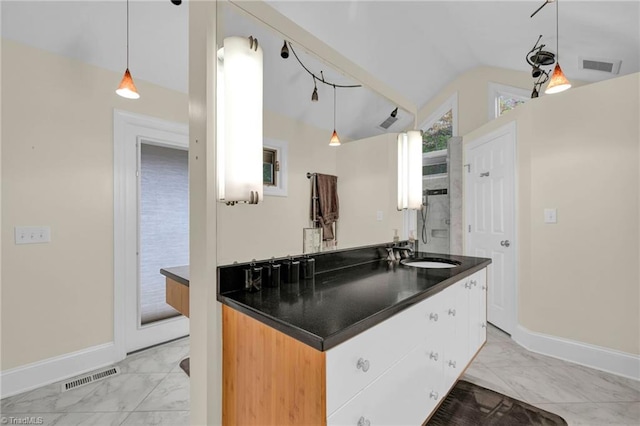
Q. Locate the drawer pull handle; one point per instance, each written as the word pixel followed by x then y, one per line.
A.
pixel 484 287
pixel 452 363
pixel 483 325
pixel 433 317
pixel 452 312
pixel 474 283
pixel 467 285
pixel 363 422
pixel 433 356
pixel 433 395
pixel 363 364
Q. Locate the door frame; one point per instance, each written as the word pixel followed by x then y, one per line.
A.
pixel 508 129
pixel 126 136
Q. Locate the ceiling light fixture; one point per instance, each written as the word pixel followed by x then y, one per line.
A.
pixel 284 52
pixel 559 82
pixel 538 58
pixel 127 89
pixel 314 95
pixel 335 140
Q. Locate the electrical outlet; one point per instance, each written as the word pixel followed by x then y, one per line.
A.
pixel 32 234
pixel 550 216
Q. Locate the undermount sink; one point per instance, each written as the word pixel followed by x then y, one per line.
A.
pixel 431 263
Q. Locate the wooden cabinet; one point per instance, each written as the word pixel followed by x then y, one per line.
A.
pixel 394 373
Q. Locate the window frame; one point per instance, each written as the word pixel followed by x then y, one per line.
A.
pixel 280 189
pixel 450 103
pixel 495 90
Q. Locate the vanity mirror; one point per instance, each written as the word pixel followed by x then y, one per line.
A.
pixel 298 117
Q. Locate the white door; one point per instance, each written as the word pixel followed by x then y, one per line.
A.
pixel 490 218
pixel 142 225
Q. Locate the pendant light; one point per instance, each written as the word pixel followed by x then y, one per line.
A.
pixel 127 88
pixel 558 82
pixel 335 140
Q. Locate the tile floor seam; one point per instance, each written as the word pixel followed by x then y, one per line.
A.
pixel 125 419
pixel 150 392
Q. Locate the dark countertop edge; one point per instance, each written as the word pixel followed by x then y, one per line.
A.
pixel 324 344
pixel 173 274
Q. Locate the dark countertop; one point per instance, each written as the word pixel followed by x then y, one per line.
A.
pixel 179 274
pixel 339 304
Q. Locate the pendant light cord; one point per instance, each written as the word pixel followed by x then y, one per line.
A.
pixel 557 35
pixel 127 34
pixel 334 108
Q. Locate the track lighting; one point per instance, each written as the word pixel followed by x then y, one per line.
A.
pixel 176 2
pixel 394 113
pixel 284 52
pixel 314 95
pixel 535 93
pixel 536 71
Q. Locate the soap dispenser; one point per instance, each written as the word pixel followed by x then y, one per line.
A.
pixel 396 238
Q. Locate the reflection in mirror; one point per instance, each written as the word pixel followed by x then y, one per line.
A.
pixel 365 165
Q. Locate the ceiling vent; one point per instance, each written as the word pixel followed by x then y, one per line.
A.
pixel 388 122
pixel 610 66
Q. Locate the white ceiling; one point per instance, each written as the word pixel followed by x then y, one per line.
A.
pixel 415 47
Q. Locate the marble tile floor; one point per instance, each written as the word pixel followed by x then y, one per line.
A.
pixel 153 390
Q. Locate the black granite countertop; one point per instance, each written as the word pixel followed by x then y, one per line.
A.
pixel 339 304
pixel 179 274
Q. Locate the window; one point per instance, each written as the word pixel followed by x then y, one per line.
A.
pixel 274 167
pixel 437 130
pixel 504 98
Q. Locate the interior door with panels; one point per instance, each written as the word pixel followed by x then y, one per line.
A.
pixel 490 200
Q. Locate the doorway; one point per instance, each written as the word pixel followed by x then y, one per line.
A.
pixel 150 227
pixel 490 219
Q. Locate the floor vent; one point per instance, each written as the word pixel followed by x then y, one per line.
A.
pixel 611 66
pixel 89 378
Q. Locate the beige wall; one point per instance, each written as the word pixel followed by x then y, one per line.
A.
pixel 57 170
pixel 578 151
pixel 473 94
pixel 367 171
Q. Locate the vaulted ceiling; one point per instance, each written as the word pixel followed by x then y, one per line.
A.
pixel 415 47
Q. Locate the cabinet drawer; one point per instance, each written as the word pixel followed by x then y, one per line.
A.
pixel 401 396
pixel 354 364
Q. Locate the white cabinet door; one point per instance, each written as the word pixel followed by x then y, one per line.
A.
pixel 401 396
pixel 456 344
pixel 477 311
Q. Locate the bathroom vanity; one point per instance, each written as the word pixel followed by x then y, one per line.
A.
pixel 365 342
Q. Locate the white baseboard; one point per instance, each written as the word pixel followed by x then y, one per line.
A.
pixel 41 373
pixel 598 357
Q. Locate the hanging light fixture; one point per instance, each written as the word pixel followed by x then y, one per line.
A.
pixel 314 95
pixel 558 82
pixel 335 140
pixel 410 170
pixel 239 124
pixel 284 52
pixel 127 89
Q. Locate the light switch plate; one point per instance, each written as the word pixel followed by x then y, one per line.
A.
pixel 379 215
pixel 550 216
pixel 32 234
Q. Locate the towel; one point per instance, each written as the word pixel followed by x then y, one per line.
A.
pixel 327 207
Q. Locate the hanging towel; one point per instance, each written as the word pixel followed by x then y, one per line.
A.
pixel 327 207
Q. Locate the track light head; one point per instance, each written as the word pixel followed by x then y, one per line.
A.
pixel 535 93
pixel 176 2
pixel 314 95
pixel 536 72
pixel 394 113
pixel 284 52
